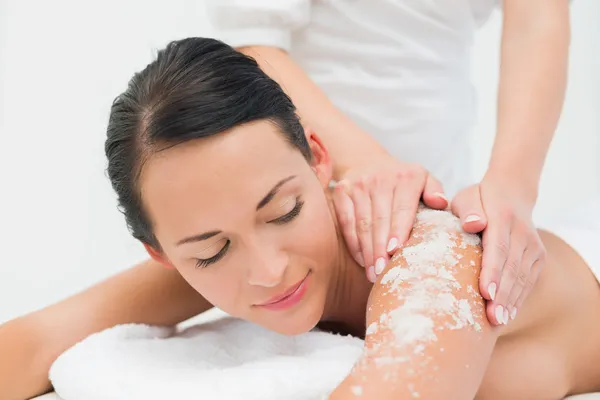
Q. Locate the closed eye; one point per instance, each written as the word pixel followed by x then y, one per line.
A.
pixel 284 219
pixel 200 263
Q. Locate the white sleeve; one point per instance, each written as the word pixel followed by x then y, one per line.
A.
pixel 258 22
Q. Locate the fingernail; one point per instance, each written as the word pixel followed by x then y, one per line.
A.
pixel 505 317
pixel 393 243
pixel 492 290
pixel 513 313
pixel 360 260
pixel 472 218
pixel 441 196
pixel 371 274
pixel 500 314
pixel 379 265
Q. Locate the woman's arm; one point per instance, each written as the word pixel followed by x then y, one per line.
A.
pixel 147 293
pixel 533 74
pixel 263 30
pixel 533 78
pixel 348 144
pixel 428 336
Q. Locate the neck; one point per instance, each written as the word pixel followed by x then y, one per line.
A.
pixel 349 291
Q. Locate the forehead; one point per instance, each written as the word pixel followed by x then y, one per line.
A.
pixel 255 147
pixel 238 166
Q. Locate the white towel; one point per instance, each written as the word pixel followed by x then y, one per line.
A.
pixel 222 359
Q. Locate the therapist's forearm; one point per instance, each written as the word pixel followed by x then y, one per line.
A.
pixel 346 142
pixel 533 76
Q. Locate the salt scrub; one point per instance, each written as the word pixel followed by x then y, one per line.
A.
pixel 427 283
pixel 357 391
pixel 372 328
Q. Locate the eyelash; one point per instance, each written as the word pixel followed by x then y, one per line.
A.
pixel 291 215
pixel 205 263
pixel 287 218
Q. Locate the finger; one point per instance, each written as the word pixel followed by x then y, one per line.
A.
pixel 381 203
pixel 534 274
pixel 521 282
pixel 496 241
pixel 364 221
pixel 495 313
pixel 344 209
pixel 468 207
pixel 512 272
pixel 433 194
pixel 404 209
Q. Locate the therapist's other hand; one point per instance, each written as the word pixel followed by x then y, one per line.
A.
pixel 376 203
pixel 513 253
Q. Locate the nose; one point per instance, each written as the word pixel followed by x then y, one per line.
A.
pixel 266 266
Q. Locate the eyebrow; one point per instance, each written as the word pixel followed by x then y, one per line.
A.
pixel 273 192
pixel 198 238
pixel 261 204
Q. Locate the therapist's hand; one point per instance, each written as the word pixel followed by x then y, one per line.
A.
pixel 513 253
pixel 376 203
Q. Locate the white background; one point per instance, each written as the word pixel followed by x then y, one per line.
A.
pixel 62 63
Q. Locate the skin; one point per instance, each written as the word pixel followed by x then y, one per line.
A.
pixel 533 75
pixel 544 353
pixel 264 258
pixel 534 56
pixel 146 293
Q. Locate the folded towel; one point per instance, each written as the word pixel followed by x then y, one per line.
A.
pixel 212 357
pixel 221 359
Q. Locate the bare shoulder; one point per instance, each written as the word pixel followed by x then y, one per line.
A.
pixel 428 335
pixel 433 279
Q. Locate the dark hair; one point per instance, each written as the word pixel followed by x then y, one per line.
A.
pixel 195 88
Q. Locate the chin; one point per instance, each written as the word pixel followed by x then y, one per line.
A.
pixel 295 322
pixel 293 329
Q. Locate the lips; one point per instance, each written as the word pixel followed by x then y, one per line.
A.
pixel 287 298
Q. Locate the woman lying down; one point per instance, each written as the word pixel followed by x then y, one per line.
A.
pixel 218 179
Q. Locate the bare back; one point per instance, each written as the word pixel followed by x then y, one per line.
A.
pixel 552 348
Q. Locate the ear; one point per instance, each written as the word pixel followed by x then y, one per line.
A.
pixel 158 256
pixel 321 161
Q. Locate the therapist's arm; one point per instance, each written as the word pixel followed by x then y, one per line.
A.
pixel 348 144
pixel 146 293
pixel 533 79
pixel 533 75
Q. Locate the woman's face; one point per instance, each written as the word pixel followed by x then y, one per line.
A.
pixel 246 221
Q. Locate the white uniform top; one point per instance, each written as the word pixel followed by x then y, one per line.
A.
pixel 399 68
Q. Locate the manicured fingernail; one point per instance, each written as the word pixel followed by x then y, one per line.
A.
pixel 360 260
pixel 472 218
pixel 513 313
pixel 492 290
pixel 440 195
pixel 392 244
pixel 371 274
pixel 505 316
pixel 500 314
pixel 379 265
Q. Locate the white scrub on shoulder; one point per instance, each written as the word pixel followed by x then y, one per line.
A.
pixel 431 304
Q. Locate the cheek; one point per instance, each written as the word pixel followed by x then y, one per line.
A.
pixel 219 288
pixel 317 231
